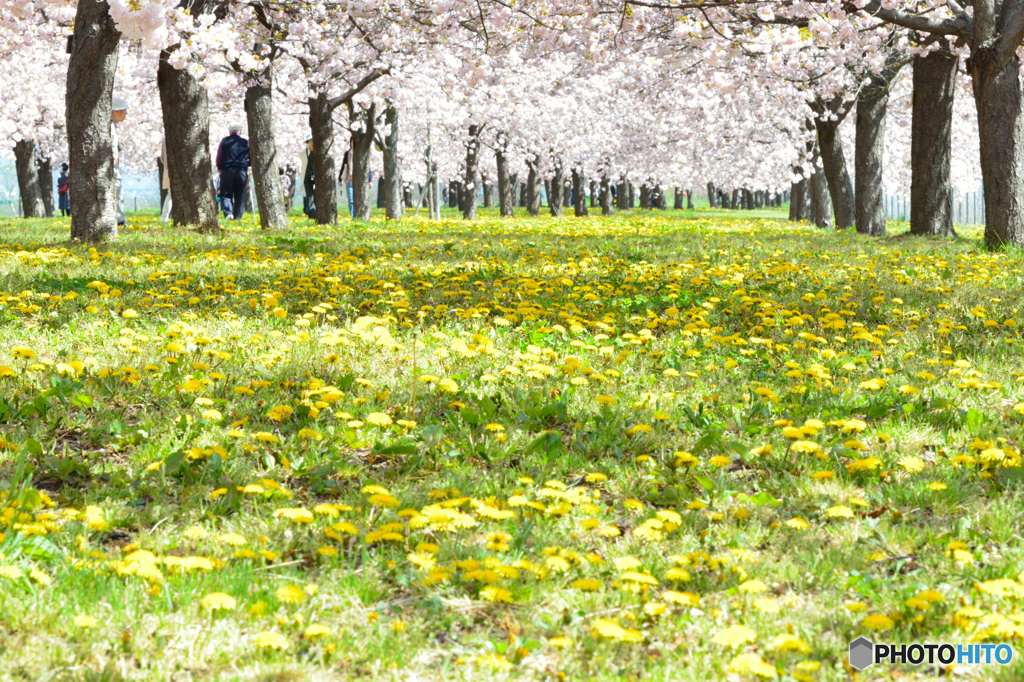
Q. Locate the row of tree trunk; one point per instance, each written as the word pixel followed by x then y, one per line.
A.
pixel 742 198
pixel 185 110
pixel 859 203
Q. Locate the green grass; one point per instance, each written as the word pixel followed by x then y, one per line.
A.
pixel 568 426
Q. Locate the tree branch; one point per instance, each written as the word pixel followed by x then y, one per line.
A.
pixel 357 88
pixel 960 25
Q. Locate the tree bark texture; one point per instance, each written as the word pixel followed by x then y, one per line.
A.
pixel 186 115
pixel 533 185
pixel 645 197
pixel 505 185
pixel 90 87
pixel 840 187
pixel 472 175
pixel 931 144
pixel 606 196
pixel 712 196
pixel 488 188
pixel 44 169
pixel 867 164
pixel 621 200
pixel 556 202
pixel 259 115
pixel 362 142
pixel 819 199
pixel 28 179
pixel 579 183
pixel 392 179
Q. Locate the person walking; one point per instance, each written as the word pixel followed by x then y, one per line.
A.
pixel 345 177
pixel 118 113
pixel 62 191
pixel 287 176
pixel 233 164
pixel 308 180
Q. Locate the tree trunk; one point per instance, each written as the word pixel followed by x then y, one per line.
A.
pixel 392 180
pixel 806 207
pixel 505 185
pixel 734 202
pixel 381 201
pixel 630 194
pixel 997 95
pixel 748 199
pixel 263 155
pixel 488 192
pixel 867 165
pixel 819 198
pixel 659 198
pixel 931 144
pixel 579 194
pixel 533 185
pixel 677 199
pixel 471 180
pixel 44 169
pixel 363 125
pixel 689 200
pixel 796 199
pixel 606 196
pixel 645 197
pixel 407 200
pixel 840 187
pixel 712 196
pixel 621 200
pixel 321 127
pixel 556 202
pixel 593 193
pixel 28 179
pixel 89 89
pixel 186 115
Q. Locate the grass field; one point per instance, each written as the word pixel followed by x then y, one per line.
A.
pixel 647 447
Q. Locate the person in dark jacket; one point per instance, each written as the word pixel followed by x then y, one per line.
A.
pixel 308 180
pixel 62 191
pixel 233 164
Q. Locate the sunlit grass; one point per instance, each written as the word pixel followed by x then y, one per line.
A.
pixel 646 446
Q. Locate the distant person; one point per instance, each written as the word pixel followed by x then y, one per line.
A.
pixel 165 183
pixel 233 164
pixel 287 175
pixel 118 113
pixel 308 180
pixel 63 203
pixel 345 177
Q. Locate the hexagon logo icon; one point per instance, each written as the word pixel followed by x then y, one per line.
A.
pixel 862 653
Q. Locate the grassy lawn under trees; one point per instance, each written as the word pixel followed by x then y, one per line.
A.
pixel 641 447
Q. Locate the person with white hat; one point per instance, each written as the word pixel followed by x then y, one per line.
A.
pixel 118 113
